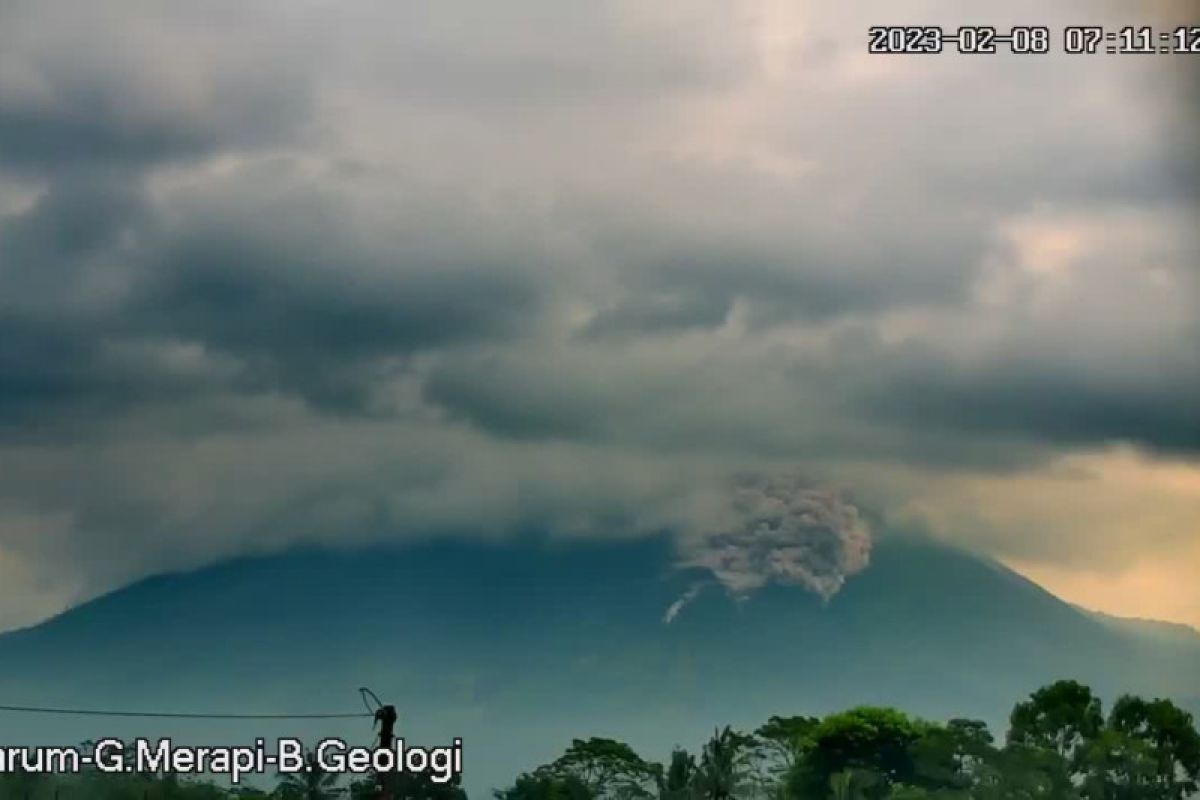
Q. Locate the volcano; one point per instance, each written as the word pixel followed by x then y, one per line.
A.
pixel 516 647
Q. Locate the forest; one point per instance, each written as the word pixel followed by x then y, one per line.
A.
pixel 1060 744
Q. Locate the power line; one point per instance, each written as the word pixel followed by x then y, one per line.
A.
pixel 171 715
pixel 364 693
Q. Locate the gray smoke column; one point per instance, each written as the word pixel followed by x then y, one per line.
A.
pixel 781 530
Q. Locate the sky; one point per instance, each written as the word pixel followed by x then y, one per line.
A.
pixel 285 273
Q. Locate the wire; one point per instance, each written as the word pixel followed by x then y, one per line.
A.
pixel 364 693
pixel 172 715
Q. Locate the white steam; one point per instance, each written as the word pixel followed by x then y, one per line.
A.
pixel 673 610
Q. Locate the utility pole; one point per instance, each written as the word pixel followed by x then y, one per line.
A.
pixel 386 717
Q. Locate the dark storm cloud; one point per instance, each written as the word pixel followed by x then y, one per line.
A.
pixel 80 214
pixel 270 270
pixel 318 334
pixel 83 123
pixel 51 348
pixel 63 382
pixel 32 137
pixel 695 241
pixel 700 291
pixel 506 402
pixel 86 88
pixel 308 298
pixel 287 290
pixel 667 312
pixel 700 294
pixel 42 366
pixel 1035 401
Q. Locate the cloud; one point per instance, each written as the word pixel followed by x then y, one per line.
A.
pixel 275 274
pixel 276 283
pixel 111 86
pixel 1082 332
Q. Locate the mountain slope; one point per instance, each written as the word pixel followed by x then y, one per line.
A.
pixel 518 647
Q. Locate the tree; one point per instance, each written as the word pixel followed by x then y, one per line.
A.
pixel 544 786
pixel 314 783
pixel 1021 772
pixel 954 757
pixel 1120 767
pixel 853 784
pixel 862 741
pixel 783 741
pixel 422 786
pixel 607 768
pixel 724 763
pixel 1059 747
pixel 680 781
pixel 1148 749
pixel 21 783
pixel 1062 717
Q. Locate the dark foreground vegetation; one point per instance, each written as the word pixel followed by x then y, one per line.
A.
pixel 1060 744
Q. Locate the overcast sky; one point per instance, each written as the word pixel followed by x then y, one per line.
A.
pixel 283 272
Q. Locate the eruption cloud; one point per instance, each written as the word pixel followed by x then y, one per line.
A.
pixel 783 530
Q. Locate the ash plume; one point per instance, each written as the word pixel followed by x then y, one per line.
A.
pixel 779 530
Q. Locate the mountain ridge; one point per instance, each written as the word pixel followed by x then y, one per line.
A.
pixel 519 646
pixel 1148 625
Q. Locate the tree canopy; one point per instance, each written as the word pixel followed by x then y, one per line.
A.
pixel 1059 745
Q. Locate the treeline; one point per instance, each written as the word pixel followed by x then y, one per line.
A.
pixel 1060 745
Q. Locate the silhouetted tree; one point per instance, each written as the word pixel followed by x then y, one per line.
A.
pixel 1064 717
pixel 1148 749
pixel 867 741
pixel 724 763
pixel 544 786
pixel 314 783
pixel 679 782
